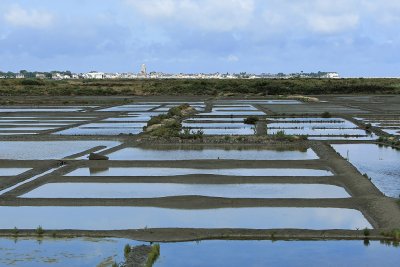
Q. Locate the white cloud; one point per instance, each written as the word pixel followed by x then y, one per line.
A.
pixel 221 15
pixel 232 58
pixel 33 18
pixel 317 16
pixel 332 24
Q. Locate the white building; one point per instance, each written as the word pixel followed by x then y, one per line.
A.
pixel 59 76
pixel 332 75
pixel 20 76
pixel 94 75
pixel 143 71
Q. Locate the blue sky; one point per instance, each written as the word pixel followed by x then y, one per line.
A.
pixel 353 37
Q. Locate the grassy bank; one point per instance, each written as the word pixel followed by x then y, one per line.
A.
pixel 32 87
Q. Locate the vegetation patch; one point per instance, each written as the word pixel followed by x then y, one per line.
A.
pixel 127 250
pixel 213 87
pixel 326 115
pixel 170 124
pixel 153 255
pixel 394 234
pixel 390 141
pixel 251 120
pixel 39 230
pixel 282 136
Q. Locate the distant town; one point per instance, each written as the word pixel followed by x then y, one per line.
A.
pixel 143 74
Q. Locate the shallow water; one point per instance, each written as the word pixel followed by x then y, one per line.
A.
pixel 261 102
pixel 22 128
pixel 215 131
pixel 310 120
pixel 114 218
pixel 392 131
pixel 113 125
pixel 136 153
pixel 234 108
pixel 100 131
pixel 220 125
pixel 232 113
pixel 130 108
pixel 310 124
pixel 348 138
pixel 280 254
pixel 138 171
pixel 41 150
pixel 380 163
pixel 12 171
pixel 61 252
pixel 129 119
pixel 87 252
pixel 19 124
pixel 155 190
pixel 319 132
pixel 40 109
pixel 168 107
pixel 196 119
pixel 17 133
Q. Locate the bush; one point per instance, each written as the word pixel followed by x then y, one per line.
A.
pixel 251 120
pixel 280 135
pixel 366 232
pixel 156 120
pixel 15 231
pixel 153 255
pixel 39 230
pixel 177 111
pixel 127 250
pixel 326 115
pixel 32 82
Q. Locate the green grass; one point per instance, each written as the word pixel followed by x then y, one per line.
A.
pixel 171 124
pixel 127 250
pixel 251 120
pixel 326 115
pixel 153 255
pixel 15 231
pixel 211 87
pixel 39 230
pixel 366 232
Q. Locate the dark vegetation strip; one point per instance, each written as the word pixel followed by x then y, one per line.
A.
pixel 16 87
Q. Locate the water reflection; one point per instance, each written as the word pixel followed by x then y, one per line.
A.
pixel 197 153
pixel 154 190
pixel 115 218
pixel 139 171
pixel 380 163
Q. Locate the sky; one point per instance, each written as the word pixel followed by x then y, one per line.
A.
pixel 353 37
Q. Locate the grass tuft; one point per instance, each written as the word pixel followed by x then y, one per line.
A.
pixel 153 255
pixel 39 230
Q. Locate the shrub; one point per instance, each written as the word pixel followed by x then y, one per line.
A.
pixel 326 115
pixel 366 232
pixel 15 231
pixel 39 230
pixel 177 111
pixel 153 255
pixel 127 250
pixel 251 120
pixel 280 135
pixel 32 82
pixel 156 120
